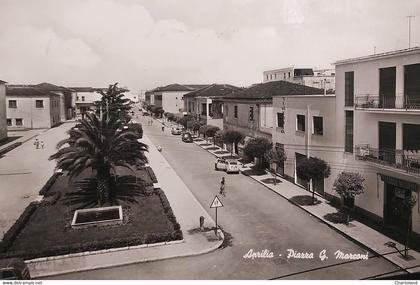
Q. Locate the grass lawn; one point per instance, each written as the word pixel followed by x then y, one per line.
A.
pixel 49 232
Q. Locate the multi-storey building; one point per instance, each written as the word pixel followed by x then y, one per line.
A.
pixel 323 79
pixel 170 97
pixel 304 126
pixel 250 111
pixel 32 108
pixel 204 105
pixel 378 125
pixel 85 98
pixel 3 116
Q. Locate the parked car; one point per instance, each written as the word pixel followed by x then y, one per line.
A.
pixel 228 165
pixel 146 114
pixel 186 137
pixel 14 269
pixel 176 131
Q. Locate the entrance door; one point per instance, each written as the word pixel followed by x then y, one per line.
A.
pixel 387 142
pixel 396 211
pixel 299 180
pixel 387 83
pixel 318 185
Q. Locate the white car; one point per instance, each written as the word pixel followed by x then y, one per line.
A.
pixel 176 131
pixel 230 166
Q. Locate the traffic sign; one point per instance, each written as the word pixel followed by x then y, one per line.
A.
pixel 216 203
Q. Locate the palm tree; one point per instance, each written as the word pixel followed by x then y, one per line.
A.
pixel 101 144
pixel 114 102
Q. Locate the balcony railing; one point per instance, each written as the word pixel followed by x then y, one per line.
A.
pixel 405 160
pixel 385 102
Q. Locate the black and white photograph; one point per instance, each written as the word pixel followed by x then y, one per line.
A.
pixel 209 140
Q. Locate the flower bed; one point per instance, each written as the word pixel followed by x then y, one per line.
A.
pixel 45 229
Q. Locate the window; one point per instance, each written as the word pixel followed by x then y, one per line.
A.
pixel 210 110
pixel 204 109
pixel 77 98
pixel 251 113
pixel 280 120
pixel 284 75
pixel 9 122
pixel 19 122
pixel 235 111
pixel 289 74
pixel 83 98
pixel 300 123
pixel 12 104
pixel 349 88
pixel 318 126
pixel 348 144
pixel 40 103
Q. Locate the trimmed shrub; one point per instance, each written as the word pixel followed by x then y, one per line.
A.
pixel 47 186
pixel 14 230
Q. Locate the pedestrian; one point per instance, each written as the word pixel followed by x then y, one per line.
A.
pixel 42 144
pixel 222 187
pixel 36 144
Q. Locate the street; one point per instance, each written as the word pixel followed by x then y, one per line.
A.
pixel 257 219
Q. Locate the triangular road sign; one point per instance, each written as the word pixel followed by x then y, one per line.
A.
pixel 216 203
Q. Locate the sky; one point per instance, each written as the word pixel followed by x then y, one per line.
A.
pixel 142 44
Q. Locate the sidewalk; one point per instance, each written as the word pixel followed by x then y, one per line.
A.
pixel 24 136
pixel 187 211
pixel 24 170
pixel 355 230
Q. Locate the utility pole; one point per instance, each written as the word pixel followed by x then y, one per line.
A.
pixel 409 29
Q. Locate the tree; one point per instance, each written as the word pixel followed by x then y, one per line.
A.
pixel 202 130
pixel 196 126
pixel 101 144
pixel 257 147
pixel 313 168
pixel 275 156
pixel 114 103
pixel 190 124
pixel 183 121
pixel 409 203
pixel 218 137
pixel 170 116
pixel 211 132
pixel 348 185
pixel 233 137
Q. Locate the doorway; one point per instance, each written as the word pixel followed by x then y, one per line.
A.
pixel 387 142
pixel 387 85
pixel 396 213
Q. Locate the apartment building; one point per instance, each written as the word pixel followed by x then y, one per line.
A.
pixel 28 107
pixel 378 125
pixel 170 97
pixel 85 98
pixel 304 126
pixel 204 105
pixel 250 111
pixel 3 116
pixel 321 78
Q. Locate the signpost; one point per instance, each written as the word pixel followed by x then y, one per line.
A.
pixel 216 204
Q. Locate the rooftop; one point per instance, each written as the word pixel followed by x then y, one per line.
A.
pixel 179 87
pixel 379 55
pixel 274 88
pixel 213 90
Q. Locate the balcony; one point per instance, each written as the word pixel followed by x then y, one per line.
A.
pixel 382 103
pixel 405 160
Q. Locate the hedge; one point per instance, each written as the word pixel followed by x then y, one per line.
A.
pixel 176 234
pixel 9 148
pixel 14 230
pixel 46 188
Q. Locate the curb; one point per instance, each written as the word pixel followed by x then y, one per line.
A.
pixel 216 246
pixel 330 225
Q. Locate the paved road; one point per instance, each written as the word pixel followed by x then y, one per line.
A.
pixel 257 219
